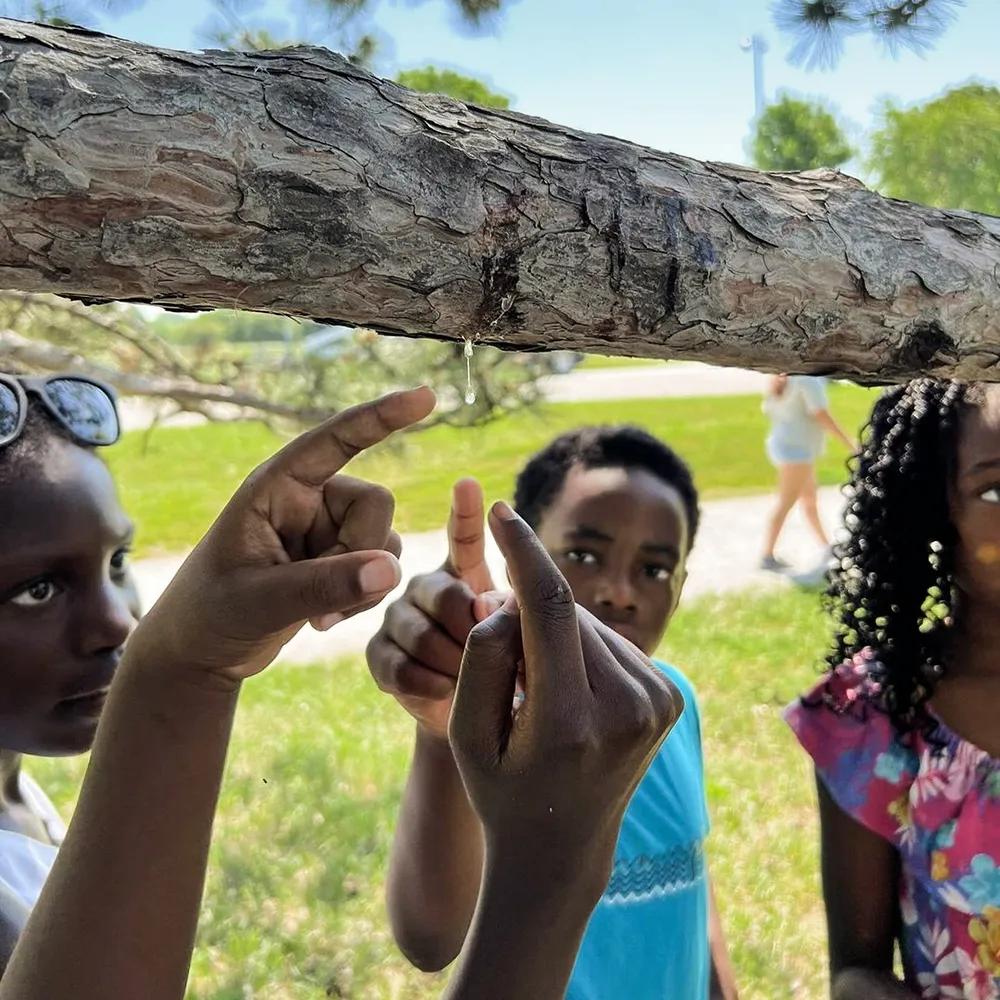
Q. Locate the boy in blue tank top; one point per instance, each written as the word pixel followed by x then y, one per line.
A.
pixel 618 511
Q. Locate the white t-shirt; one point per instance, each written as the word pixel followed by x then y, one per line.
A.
pixel 796 435
pixel 25 863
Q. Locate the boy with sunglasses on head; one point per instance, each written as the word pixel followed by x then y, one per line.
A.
pixel 617 511
pixel 117 916
pixel 67 601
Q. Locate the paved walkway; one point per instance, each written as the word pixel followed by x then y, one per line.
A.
pixel 667 381
pixel 724 559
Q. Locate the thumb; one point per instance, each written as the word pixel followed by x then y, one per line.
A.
pixel 467 536
pixel 481 712
pixel 326 588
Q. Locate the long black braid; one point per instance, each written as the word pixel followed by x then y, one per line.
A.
pixel 891 588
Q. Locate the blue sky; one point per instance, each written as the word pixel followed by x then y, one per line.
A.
pixel 666 73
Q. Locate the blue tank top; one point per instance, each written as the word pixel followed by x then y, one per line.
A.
pixel 648 936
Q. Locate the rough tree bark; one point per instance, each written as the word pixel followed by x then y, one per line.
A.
pixel 293 182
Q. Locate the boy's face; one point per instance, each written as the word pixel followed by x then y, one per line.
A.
pixel 620 537
pixel 67 600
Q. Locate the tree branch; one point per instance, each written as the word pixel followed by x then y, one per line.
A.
pixel 293 182
pixel 143 339
pixel 189 395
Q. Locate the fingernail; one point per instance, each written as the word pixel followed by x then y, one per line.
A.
pixel 504 511
pixel 326 622
pixel 379 575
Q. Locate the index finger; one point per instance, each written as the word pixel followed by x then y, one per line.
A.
pixel 553 654
pixel 315 456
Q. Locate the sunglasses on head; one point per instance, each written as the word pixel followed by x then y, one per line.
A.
pixel 83 406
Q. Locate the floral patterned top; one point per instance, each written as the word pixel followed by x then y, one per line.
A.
pixel 936 798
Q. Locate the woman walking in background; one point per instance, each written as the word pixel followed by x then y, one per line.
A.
pixel 800 418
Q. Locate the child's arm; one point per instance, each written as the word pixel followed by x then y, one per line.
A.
pixel 723 981
pixel 860 984
pixel 818 405
pixel 827 422
pixel 437 854
pixel 118 915
pixel 861 892
pixel 437 859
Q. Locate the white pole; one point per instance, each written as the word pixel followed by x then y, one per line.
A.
pixel 757 46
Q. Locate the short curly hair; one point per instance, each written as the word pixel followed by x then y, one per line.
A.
pixel 622 446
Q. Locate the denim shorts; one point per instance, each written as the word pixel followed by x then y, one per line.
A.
pixel 781 453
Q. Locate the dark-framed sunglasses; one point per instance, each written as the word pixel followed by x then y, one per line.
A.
pixel 83 406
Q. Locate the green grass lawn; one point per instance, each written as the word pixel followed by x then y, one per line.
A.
pixel 592 361
pixel 175 480
pixel 294 907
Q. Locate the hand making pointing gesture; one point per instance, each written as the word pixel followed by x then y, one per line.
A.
pixel 297 542
pixel 549 779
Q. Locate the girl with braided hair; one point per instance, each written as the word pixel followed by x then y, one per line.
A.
pixel 903 730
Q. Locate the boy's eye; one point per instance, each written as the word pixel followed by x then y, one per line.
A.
pixel 582 556
pixel 119 561
pixel 659 573
pixel 992 495
pixel 35 594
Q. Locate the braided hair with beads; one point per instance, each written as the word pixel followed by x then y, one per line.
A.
pixel 891 588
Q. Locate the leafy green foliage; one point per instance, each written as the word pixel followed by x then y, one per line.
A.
pixel 345 25
pixel 797 134
pixel 944 153
pixel 431 80
pixel 229 326
pixel 338 24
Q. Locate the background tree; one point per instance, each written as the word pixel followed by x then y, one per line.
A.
pixel 820 28
pixel 798 134
pixel 345 25
pixel 431 80
pixel 285 382
pixel 945 152
pixel 65 12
